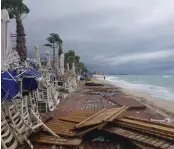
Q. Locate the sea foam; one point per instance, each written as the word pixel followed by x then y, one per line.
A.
pixel 153 90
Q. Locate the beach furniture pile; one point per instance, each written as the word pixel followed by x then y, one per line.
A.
pixel 27 89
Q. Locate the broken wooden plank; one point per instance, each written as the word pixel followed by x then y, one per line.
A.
pixel 139 137
pixel 62 128
pixel 146 126
pixel 104 116
pixel 47 139
pixel 89 118
pixel 76 116
pixel 117 114
pixel 81 134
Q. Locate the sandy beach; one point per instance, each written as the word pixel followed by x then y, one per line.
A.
pixel 162 106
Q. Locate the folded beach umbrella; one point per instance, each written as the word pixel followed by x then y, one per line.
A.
pixel 4 36
pixel 62 61
pixel 7 55
pixel 37 55
pixel 9 85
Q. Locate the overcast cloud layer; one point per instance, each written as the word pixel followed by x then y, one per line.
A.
pixel 127 36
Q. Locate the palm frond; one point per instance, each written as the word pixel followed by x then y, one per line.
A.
pixel 50 39
pixel 16 8
pixel 48 45
pixel 25 9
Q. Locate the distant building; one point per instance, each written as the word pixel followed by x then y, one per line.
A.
pixel 99 73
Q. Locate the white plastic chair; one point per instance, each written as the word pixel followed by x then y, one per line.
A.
pixel 46 95
pixel 23 107
pixel 33 99
pixel 17 122
pixel 34 114
pixel 8 138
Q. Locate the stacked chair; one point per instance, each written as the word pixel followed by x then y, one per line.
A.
pixel 7 135
pixel 20 105
pixel 47 95
pixel 21 115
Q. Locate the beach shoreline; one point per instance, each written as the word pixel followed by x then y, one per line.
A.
pixel 161 106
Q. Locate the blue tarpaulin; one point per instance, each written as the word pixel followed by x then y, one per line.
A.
pixel 81 79
pixel 9 85
pixel 29 83
pixel 30 72
pixel 30 77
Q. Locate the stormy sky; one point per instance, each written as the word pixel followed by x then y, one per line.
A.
pixel 112 36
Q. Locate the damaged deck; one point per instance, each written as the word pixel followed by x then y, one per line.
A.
pixel 77 110
pixel 94 103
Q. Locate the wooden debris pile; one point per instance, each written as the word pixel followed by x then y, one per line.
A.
pixel 77 124
pixel 145 140
pixel 150 134
pixel 153 128
pixel 89 83
pixel 100 119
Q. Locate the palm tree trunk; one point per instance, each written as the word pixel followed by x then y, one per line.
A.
pixel 54 55
pixel 59 53
pixel 20 40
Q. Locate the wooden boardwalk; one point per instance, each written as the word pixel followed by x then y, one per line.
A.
pixel 95 103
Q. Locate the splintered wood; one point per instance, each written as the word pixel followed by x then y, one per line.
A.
pixel 140 131
pixel 47 139
pixel 138 137
pixel 103 116
pixel 63 128
pixel 76 116
pixel 65 125
pixel 157 129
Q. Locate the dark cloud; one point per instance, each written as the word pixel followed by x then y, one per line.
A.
pixel 110 36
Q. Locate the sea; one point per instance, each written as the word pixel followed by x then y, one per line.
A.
pixel 159 86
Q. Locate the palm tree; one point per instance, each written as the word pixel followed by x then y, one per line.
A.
pixel 77 60
pixel 18 10
pixel 71 57
pixel 51 44
pixel 59 42
pixel 54 41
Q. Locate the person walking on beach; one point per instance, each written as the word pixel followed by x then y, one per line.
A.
pixel 104 78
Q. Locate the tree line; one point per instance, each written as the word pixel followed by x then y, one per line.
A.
pixel 70 58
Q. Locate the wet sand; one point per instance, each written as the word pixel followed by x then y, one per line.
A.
pixel 162 106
